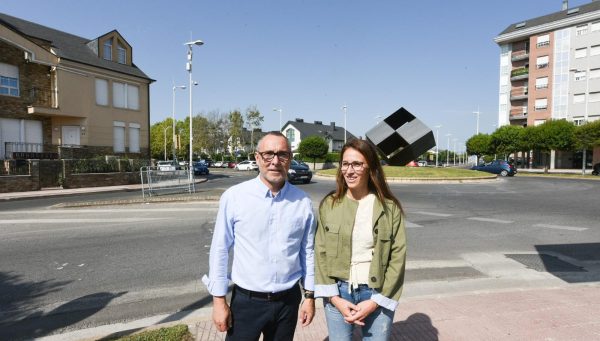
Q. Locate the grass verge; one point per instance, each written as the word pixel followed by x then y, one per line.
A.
pixel 423 172
pixel 179 332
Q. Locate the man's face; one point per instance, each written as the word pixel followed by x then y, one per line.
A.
pixel 273 172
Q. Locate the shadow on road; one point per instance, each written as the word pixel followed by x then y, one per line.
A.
pixel 19 320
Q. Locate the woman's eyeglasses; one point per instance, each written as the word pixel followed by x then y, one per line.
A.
pixel 356 165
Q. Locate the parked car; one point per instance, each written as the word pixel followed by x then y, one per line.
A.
pixel 422 163
pixel 200 168
pixel 247 165
pixel 596 169
pixel 412 164
pixel 218 164
pixel 231 164
pixel 168 165
pixel 299 172
pixel 497 167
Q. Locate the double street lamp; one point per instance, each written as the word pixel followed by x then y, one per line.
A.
pixel 345 108
pixel 280 111
pixel 188 67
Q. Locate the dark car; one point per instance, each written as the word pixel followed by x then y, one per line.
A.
pixel 200 168
pixel 497 167
pixel 596 169
pixel 299 172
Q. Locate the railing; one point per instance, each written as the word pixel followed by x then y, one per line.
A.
pixel 519 72
pixel 41 97
pixel 156 182
pixel 21 147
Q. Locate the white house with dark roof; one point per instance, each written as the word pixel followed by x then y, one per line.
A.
pixel 297 130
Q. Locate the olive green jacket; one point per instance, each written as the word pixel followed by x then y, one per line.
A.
pixel 333 248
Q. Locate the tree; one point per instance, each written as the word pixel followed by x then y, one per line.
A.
pixel 157 139
pixel 553 135
pixel 479 145
pixel 313 147
pixel 236 125
pixel 506 140
pixel 254 120
pixel 587 136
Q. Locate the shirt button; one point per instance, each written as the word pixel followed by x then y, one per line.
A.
pixel 375 231
pixel 327 228
pixel 373 279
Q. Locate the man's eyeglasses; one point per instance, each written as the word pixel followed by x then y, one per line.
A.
pixel 268 156
pixel 356 165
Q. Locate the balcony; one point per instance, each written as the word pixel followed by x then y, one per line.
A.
pixel 519 74
pixel 41 101
pixel 518 114
pixel 519 55
pixel 519 94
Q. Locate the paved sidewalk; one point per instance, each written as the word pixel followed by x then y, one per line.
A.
pixel 565 313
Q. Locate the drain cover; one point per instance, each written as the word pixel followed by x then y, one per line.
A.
pixel 544 263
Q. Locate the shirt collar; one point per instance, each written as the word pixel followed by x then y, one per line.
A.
pixel 267 192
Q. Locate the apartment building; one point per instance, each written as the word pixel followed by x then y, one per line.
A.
pixel 550 69
pixel 71 97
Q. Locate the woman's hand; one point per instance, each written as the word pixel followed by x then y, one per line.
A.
pixel 346 308
pixel 365 308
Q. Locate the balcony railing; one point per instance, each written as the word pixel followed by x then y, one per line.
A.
pixel 519 72
pixel 40 97
pixel 519 55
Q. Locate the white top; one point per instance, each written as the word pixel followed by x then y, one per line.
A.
pixel 362 242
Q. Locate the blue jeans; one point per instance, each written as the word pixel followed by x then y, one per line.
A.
pixel 378 325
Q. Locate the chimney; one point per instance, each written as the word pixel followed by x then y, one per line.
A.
pixel 319 122
pixel 332 125
pixel 565 5
pixel 299 120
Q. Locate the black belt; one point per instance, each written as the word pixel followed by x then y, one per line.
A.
pixel 268 296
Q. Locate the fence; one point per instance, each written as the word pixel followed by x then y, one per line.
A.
pixel 157 182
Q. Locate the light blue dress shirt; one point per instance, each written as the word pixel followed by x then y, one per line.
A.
pixel 272 239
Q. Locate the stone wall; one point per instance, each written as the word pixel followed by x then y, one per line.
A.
pixel 100 179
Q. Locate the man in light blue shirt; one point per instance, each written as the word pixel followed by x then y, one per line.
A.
pixel 270 225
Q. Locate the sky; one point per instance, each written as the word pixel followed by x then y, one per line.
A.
pixel 435 58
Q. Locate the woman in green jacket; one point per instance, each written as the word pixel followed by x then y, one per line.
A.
pixel 360 248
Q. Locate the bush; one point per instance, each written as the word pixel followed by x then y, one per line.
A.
pixel 175 333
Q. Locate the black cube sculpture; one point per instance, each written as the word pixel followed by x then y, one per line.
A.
pixel 401 137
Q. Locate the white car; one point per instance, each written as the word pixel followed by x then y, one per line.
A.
pixel 422 163
pixel 247 165
pixel 167 165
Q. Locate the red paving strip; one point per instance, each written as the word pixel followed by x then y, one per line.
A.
pixel 567 313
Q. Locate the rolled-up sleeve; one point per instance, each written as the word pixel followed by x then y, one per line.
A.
pixel 307 252
pixel 217 281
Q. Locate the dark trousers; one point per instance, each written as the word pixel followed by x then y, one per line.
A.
pixel 275 319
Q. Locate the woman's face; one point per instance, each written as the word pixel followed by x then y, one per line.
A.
pixel 355 170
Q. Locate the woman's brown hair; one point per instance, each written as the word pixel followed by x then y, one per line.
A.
pixel 377 183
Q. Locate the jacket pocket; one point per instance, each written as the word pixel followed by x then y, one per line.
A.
pixel 332 239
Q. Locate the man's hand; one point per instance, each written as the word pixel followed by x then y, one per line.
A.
pixel 364 309
pixel 221 313
pixel 346 308
pixel 307 311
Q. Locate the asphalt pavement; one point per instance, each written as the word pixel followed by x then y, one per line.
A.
pixel 524 308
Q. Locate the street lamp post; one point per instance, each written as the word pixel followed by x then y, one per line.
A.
pixel 454 150
pixel 165 130
pixel 280 111
pixel 477 114
pixel 188 67
pixel 448 150
pixel 173 118
pixel 345 108
pixel 437 142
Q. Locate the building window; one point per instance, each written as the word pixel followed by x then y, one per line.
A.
pixel 578 121
pixel 578 98
pixel 126 96
pixel 541 104
pixel 291 135
pixel 581 30
pixel 542 62
pixel 581 53
pixel 594 73
pixel 118 137
pixel 538 122
pixel 596 26
pixel 101 91
pixel 108 49
pixel 134 137
pixel 595 50
pixel 595 96
pixel 122 54
pixel 9 80
pixel 541 83
pixel 543 40
pixel 580 75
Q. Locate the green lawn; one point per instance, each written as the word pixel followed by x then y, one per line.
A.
pixel 175 333
pixel 423 172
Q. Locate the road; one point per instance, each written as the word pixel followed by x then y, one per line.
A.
pixel 71 268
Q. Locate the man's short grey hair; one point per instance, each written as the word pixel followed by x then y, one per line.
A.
pixel 274 133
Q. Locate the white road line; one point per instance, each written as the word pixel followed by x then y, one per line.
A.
pixel 559 227
pixel 433 214
pixel 145 210
pixel 490 220
pixel 408 224
pixel 75 221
